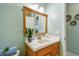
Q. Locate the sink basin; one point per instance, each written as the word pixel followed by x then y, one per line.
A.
pixel 43 41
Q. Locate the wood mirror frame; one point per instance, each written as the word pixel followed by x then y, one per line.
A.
pixel 26 10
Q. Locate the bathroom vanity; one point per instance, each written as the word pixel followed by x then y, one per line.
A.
pixel 47 45
pixel 44 47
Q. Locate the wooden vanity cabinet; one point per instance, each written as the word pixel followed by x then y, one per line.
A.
pixel 56 49
pixel 52 50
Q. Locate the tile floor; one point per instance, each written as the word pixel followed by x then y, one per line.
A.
pixel 70 54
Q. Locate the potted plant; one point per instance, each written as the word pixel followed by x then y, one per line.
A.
pixel 30 32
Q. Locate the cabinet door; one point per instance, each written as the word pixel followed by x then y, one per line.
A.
pixel 55 53
pixel 45 51
pixel 56 46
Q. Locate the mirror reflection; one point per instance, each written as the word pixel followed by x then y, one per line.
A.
pixel 37 22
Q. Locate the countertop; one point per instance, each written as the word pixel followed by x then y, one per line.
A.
pixel 34 45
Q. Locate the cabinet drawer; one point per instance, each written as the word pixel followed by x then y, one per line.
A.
pixel 44 51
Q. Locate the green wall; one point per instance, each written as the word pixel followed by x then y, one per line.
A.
pixel 72 32
pixel 11 26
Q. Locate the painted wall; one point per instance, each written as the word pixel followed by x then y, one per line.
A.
pixel 55 17
pixel 73 31
pixel 56 22
pixel 11 26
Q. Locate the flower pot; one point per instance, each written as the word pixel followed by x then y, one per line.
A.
pixel 29 39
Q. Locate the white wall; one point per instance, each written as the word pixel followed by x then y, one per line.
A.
pixel 56 21
pixel 73 31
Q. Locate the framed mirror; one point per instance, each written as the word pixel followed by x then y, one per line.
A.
pixel 35 20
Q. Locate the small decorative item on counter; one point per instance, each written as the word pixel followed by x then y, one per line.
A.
pixel 68 18
pixel 30 32
pixel 73 23
pixel 76 17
